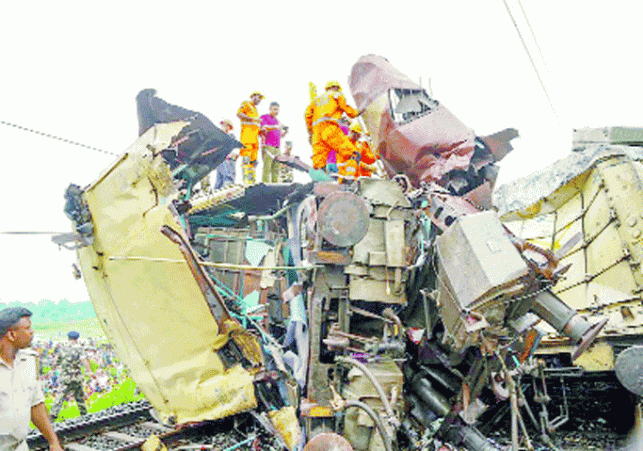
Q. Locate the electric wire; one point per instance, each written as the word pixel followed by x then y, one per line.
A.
pixel 26 232
pixel 533 64
pixel 58 138
pixel 533 35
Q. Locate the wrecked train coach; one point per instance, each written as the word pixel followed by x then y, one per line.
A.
pixel 393 311
pixel 586 209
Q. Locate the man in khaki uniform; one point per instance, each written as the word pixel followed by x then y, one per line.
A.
pixel 21 397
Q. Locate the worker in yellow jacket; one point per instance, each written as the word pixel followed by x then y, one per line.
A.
pixel 250 124
pixel 322 120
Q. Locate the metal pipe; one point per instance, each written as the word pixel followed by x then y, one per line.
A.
pixel 548 307
pixel 390 314
pixel 376 419
pixel 376 384
pixel 567 321
pixel 435 401
pixel 217 265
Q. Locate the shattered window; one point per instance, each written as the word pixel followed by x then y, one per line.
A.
pixel 409 104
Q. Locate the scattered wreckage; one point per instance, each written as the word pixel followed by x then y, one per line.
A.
pixel 392 311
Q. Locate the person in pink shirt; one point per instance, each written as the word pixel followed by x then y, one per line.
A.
pixel 271 132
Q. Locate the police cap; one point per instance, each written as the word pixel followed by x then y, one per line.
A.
pixel 10 316
pixel 73 335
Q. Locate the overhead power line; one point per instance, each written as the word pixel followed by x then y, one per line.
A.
pixel 533 35
pixel 524 45
pixel 58 138
pixel 28 232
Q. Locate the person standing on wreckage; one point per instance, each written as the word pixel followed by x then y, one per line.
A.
pixel 322 121
pixel 226 171
pixel 272 130
pixel 250 123
pixel 21 396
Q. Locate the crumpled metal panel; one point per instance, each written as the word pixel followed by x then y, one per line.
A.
pixel 472 299
pixel 413 133
pixel 597 194
pixel 479 243
pixel 521 198
pixel 148 299
pixel 383 192
pixel 287 425
pixel 425 148
pixel 198 149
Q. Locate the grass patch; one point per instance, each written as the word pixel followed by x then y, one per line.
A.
pixel 121 393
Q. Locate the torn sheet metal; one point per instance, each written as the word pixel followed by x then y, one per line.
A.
pixel 197 149
pixel 529 196
pixel 255 251
pixel 586 209
pixel 147 297
pixel 398 115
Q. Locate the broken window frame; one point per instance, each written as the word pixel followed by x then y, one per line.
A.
pixel 395 97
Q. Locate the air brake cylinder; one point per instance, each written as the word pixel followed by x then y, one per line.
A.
pixel 425 391
pixel 566 321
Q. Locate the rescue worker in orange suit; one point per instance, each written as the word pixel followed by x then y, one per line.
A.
pixel 367 157
pixel 250 125
pixel 348 169
pixel 322 120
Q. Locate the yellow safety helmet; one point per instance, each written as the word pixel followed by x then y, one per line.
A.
pixel 355 127
pixel 257 93
pixel 333 83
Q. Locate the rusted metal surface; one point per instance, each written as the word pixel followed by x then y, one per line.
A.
pixel 343 219
pixel 412 133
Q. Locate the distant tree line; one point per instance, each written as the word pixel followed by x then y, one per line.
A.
pixel 48 311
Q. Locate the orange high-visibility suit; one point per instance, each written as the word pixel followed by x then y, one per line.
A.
pixel 348 169
pixel 249 131
pixel 368 158
pixel 322 121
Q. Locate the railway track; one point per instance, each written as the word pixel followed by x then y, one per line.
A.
pixel 129 426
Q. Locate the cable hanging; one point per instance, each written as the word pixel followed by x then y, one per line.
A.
pixel 524 44
pixel 533 35
pixel 28 232
pixel 58 138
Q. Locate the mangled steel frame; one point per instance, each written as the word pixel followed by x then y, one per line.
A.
pixel 394 311
pixel 171 334
pixel 587 209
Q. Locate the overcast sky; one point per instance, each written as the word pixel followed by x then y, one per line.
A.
pixel 73 69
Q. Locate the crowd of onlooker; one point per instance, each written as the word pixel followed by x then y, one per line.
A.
pixel 106 370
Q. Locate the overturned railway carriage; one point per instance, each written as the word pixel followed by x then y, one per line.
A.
pixel 394 312
pixel 587 208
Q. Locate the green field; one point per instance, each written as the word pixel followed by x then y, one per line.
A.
pixel 122 393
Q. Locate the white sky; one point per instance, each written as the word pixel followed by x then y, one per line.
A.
pixel 73 69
